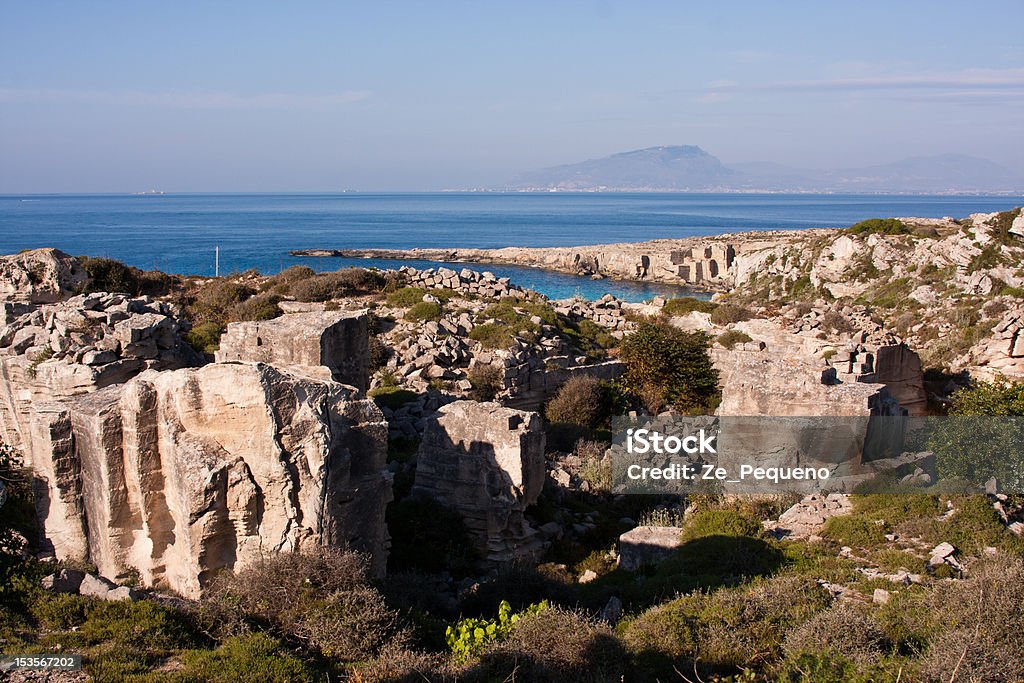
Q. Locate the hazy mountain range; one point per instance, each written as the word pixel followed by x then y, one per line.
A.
pixel 690 168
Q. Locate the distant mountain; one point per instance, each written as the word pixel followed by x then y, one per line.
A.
pixel 664 168
pixel 690 168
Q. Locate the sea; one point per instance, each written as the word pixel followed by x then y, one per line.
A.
pixel 179 233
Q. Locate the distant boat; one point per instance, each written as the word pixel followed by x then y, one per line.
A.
pixel 148 192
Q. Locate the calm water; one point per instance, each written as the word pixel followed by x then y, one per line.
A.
pixel 177 233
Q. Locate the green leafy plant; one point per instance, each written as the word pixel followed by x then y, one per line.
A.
pixel 472 635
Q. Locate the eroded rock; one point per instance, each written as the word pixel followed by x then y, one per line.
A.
pixel 487 462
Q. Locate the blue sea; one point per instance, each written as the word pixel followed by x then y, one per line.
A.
pixel 178 232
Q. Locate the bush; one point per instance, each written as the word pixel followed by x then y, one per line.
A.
pixel 492 335
pixel 18 528
pixel 471 635
pixel 424 311
pixel 406 296
pixel 581 400
pixel 214 300
pixel 730 313
pixel 205 337
pixel 487 380
pixel 880 226
pixel 721 631
pixel 392 397
pixel 321 598
pixel 379 353
pixel 664 363
pixel 594 469
pixel 254 657
pixel 555 645
pixel 731 338
pixel 259 307
pixel 108 275
pixel 687 304
pixel 844 630
pixel 721 522
pixel 341 283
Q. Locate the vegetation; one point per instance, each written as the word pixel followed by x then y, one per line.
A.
pixel 730 313
pixel 392 397
pixel 879 226
pixel 472 635
pixel 424 311
pixel 731 338
pixel 205 337
pixel 581 400
pixel 668 367
pixel 687 304
pixel 487 382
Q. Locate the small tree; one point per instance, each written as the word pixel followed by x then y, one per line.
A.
pixel 983 436
pixel 670 366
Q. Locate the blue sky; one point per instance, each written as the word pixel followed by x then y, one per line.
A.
pixel 275 96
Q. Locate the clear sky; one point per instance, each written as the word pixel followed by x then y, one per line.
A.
pixel 281 96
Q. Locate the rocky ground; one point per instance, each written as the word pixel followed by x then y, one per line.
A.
pixel 189 429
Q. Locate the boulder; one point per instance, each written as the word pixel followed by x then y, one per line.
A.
pixel 40 276
pixel 647 545
pixel 337 340
pixel 181 474
pixel 487 462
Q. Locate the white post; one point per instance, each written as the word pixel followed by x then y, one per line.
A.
pixel 216 261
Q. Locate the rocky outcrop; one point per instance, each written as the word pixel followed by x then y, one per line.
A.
pixel 487 462
pixel 336 340
pixel 55 351
pixel 182 474
pixel 40 276
pixel 145 464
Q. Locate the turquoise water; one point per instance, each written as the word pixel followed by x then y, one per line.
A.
pixel 178 233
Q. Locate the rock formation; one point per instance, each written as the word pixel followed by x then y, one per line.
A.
pixel 487 462
pixel 145 464
pixel 40 276
pixel 336 340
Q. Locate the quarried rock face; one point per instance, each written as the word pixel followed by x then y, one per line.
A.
pixel 487 462
pixel 40 276
pixel 184 473
pixel 338 340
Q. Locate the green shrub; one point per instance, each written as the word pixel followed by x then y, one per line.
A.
pixel 721 522
pixel 857 531
pixel 844 630
pixel 581 400
pixel 881 226
pixel 1002 224
pixel 492 335
pixel 259 307
pixel 731 338
pixel 724 630
pixel 471 635
pixel 18 529
pixel 205 337
pixel 108 275
pixel 687 304
pixel 487 382
pixel 321 597
pixel 249 658
pixel 668 366
pixel 379 353
pixel 406 296
pixel 214 300
pixel 972 445
pixel 424 311
pixel 341 283
pixel 730 313
pixel 392 397
pixel 554 645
